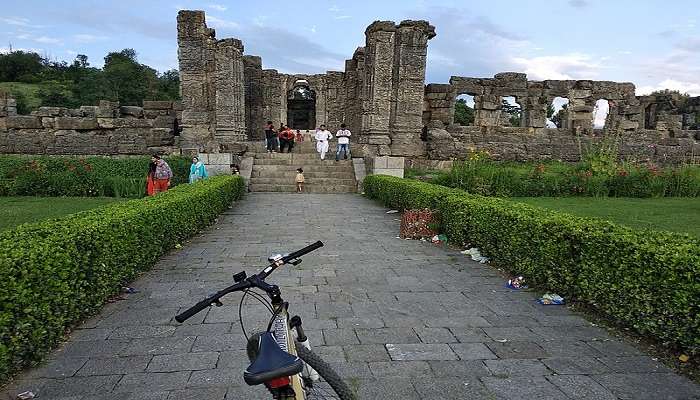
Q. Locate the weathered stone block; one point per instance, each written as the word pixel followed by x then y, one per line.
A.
pixel 75 123
pixel 105 123
pixel 220 158
pixel 398 172
pixel 49 111
pixel 23 122
pixel 379 139
pixel 380 162
pixel 580 94
pixel 132 123
pixel 89 111
pixel 628 125
pixel 395 162
pixel 164 121
pixel 157 105
pixel 132 111
pixel 47 122
pixel 152 114
pixel 178 106
pixel 107 109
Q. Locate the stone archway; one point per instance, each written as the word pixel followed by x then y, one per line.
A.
pixel 301 106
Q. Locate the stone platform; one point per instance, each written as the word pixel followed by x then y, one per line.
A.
pixel 398 319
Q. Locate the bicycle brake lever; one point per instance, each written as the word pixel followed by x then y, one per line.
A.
pixel 218 303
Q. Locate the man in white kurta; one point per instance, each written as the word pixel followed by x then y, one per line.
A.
pixel 322 137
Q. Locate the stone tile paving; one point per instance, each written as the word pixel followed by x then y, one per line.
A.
pixel 398 319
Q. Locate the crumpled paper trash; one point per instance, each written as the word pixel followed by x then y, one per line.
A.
pixel 551 299
pixel 476 255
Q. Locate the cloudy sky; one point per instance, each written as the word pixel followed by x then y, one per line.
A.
pixel 652 43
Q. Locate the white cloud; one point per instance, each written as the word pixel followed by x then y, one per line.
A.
pixel 334 9
pixel 19 21
pixel 219 23
pixel 87 38
pixel 342 17
pixel 600 113
pixel 217 7
pixel 570 66
pixel 692 88
pixel 39 39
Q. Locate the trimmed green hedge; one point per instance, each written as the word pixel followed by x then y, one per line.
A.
pixel 57 272
pixel 646 279
pixel 81 176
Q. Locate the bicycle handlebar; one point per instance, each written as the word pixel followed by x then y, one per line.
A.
pixel 248 283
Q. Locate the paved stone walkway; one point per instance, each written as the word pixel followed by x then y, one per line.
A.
pixel 399 319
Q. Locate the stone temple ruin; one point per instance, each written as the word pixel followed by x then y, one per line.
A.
pixel 382 98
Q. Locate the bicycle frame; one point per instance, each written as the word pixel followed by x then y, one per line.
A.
pixel 285 339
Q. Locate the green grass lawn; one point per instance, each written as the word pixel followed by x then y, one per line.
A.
pixel 678 214
pixel 18 210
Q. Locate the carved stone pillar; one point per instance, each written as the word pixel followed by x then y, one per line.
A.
pixel 195 57
pixel 230 93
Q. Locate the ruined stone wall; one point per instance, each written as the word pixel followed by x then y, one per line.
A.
pixel 534 97
pixel 667 140
pixel 528 144
pixel 107 129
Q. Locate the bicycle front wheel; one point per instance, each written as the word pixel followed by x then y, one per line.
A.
pixel 331 386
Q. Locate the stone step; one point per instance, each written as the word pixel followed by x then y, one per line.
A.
pixel 309 181
pixel 301 162
pixel 308 174
pixel 306 168
pixel 294 155
pixel 308 188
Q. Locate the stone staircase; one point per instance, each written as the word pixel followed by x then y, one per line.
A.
pixel 276 172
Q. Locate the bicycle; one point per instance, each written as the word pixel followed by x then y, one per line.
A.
pixel 285 365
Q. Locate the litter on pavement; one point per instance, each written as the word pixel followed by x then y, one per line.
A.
pixel 551 299
pixel 476 255
pixel 516 283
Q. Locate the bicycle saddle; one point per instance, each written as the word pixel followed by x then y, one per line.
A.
pixel 272 362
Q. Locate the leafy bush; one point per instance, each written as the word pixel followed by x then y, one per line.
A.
pixel 645 279
pixel 72 176
pixel 595 177
pixel 88 257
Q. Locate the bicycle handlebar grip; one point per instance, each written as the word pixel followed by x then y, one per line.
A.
pixel 305 250
pixel 193 310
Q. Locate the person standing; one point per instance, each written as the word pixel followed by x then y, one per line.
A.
pixel 197 170
pixel 150 179
pixel 286 139
pixel 162 175
pixel 322 137
pixel 270 137
pixel 300 180
pixel 343 136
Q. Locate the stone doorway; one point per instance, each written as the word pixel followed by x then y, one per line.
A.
pixel 301 107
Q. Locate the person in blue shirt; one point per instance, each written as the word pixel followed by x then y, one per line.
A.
pixel 197 170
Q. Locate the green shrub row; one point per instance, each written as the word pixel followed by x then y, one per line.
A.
pixel 57 272
pixel 507 179
pixel 645 279
pixel 81 176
